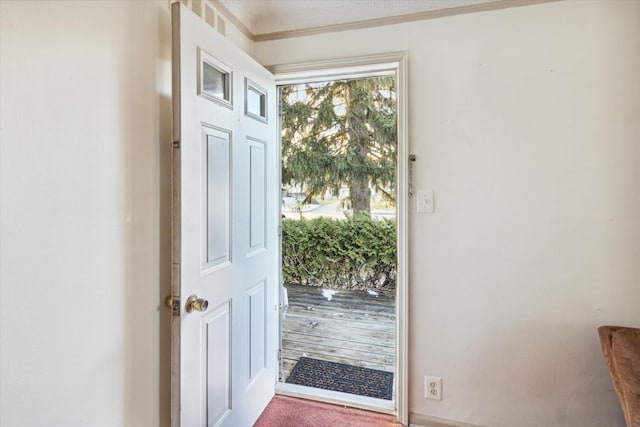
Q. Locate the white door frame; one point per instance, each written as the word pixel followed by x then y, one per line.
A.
pixel 359 67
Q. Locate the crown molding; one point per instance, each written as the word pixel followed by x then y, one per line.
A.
pixel 391 20
pixel 233 19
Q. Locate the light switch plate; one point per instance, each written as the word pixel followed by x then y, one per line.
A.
pixel 425 202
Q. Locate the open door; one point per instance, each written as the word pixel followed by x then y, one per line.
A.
pixel 225 277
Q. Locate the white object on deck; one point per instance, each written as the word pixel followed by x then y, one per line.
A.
pixel 285 298
pixel 328 293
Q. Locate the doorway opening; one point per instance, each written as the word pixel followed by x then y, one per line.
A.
pixel 343 218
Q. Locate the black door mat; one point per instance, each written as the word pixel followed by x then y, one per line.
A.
pixel 340 377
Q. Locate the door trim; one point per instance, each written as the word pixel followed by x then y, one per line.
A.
pixel 358 67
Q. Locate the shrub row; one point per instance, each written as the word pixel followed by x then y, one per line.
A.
pixel 356 253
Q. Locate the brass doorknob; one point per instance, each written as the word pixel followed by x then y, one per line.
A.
pixel 196 304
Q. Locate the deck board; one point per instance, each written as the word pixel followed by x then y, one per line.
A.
pixel 353 327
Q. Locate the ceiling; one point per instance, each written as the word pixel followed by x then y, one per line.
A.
pixel 262 17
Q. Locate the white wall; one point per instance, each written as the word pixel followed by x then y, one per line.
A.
pixel 525 123
pixel 85 116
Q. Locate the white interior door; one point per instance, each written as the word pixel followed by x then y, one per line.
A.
pixel 225 225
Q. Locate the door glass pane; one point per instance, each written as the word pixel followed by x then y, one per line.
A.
pixel 256 101
pixel 215 82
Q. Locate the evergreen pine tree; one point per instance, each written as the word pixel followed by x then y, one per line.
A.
pixel 341 133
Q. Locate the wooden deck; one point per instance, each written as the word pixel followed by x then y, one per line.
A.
pixel 353 328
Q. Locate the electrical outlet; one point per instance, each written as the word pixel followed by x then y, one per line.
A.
pixel 433 387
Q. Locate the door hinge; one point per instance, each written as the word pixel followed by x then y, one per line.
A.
pixel 173 302
pixel 176 144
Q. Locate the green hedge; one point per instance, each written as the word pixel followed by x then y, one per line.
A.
pixel 356 253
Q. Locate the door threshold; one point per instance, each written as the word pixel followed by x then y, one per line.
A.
pixel 337 398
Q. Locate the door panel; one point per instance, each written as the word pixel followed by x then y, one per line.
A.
pixel 257 193
pixel 225 222
pixel 257 330
pixel 217 387
pixel 217 150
